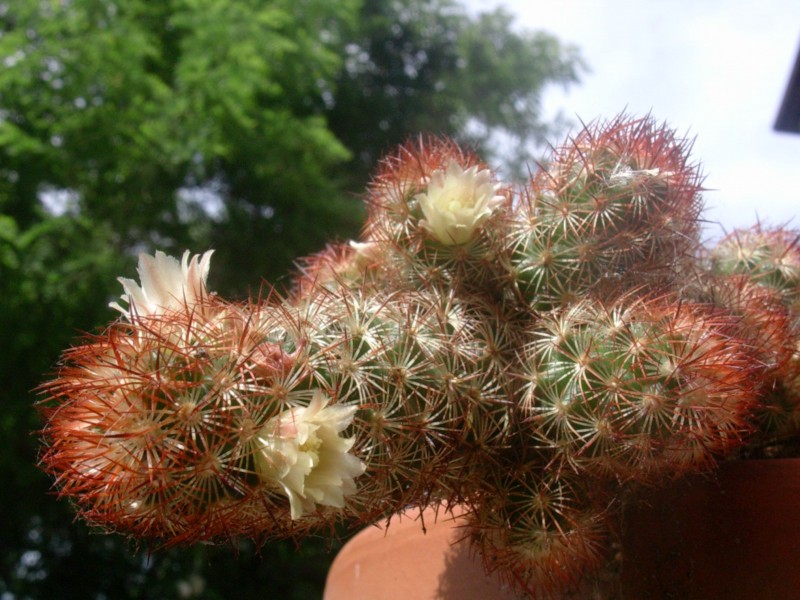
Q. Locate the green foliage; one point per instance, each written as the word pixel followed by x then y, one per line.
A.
pixel 233 124
pixel 426 67
pixel 128 103
pixel 54 281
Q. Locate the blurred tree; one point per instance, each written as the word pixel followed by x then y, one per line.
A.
pixel 425 66
pixel 242 125
pixel 139 111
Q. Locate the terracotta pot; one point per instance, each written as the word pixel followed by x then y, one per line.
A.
pixel 402 562
pixel 733 535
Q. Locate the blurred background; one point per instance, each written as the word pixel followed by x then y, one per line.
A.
pixel 716 70
pixel 251 127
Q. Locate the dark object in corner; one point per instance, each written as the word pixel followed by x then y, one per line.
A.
pixel 788 120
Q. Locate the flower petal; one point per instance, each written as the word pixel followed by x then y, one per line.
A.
pixel 310 461
pixel 166 284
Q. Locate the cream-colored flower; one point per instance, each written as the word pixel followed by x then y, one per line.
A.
pixel 166 284
pixel 302 453
pixel 457 202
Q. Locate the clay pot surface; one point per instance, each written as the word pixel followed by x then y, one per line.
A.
pixel 732 535
pixel 402 562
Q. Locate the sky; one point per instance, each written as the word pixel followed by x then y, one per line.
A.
pixel 715 70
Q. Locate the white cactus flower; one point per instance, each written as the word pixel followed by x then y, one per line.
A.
pixel 302 452
pixel 166 284
pixel 457 202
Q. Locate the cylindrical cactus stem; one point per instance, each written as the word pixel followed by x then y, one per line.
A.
pixel 770 259
pixel 615 208
pixel 194 419
pixel 172 426
pixel 769 256
pixel 412 363
pixel 772 335
pixel 436 213
pixel 638 389
pixel 544 532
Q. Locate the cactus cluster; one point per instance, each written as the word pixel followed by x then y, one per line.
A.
pixel 534 353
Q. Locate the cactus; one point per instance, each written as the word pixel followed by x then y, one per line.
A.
pixel 541 533
pixel 535 354
pixel 616 208
pixel 758 270
pixel 637 389
pixel 770 257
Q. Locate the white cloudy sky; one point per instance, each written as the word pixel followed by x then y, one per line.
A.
pixel 714 69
